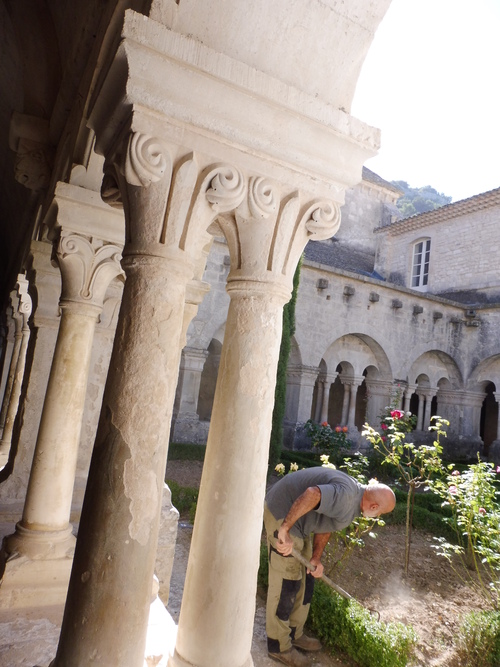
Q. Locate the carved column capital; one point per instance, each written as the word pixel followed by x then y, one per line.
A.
pixel 24 304
pixel 29 139
pixel 87 267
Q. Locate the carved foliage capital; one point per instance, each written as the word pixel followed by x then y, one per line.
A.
pixel 24 304
pixel 87 268
pixel 33 164
pixel 146 160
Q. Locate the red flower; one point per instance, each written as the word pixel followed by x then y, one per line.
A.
pixel 397 414
pixel 498 469
pixel 345 428
pixel 482 511
pixel 383 438
pixel 455 473
pixel 383 426
pixel 338 429
pixel 324 423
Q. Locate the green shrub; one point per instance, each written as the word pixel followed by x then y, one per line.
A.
pixel 183 497
pixel 304 459
pixel 186 451
pixel 344 625
pixel 478 640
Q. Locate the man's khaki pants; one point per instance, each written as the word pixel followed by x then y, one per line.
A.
pixel 290 590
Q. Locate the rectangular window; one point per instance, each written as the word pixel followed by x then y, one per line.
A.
pixel 421 261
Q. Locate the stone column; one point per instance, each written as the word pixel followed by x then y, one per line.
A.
pixel 118 531
pixel 228 525
pixel 12 344
pixel 409 391
pixel 427 412
pixel 353 390
pixel 22 315
pixel 319 400
pixel 87 268
pixel 299 396
pixel 186 417
pixel 496 394
pixel 327 383
pixel 379 393
pixel 421 410
pixel 345 402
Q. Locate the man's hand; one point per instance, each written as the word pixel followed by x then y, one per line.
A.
pixel 318 570
pixel 284 543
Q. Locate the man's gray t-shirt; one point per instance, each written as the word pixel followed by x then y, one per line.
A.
pixel 340 500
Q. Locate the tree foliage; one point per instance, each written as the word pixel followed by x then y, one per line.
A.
pixel 419 200
pixel 276 441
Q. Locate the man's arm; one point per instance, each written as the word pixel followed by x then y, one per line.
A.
pixel 319 543
pixel 306 502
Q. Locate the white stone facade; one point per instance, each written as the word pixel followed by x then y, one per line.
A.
pixel 377 326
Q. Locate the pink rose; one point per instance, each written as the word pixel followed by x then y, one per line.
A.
pixel 345 428
pixel 324 423
pixel 383 426
pixel 453 490
pixel 482 511
pixel 397 414
pixel 338 429
pixel 498 469
pixel 455 473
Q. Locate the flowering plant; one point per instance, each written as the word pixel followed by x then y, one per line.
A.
pixel 326 438
pixel 475 518
pixel 281 470
pixel 415 465
pixel 404 421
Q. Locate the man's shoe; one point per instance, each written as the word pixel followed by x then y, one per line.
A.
pixel 307 643
pixel 291 657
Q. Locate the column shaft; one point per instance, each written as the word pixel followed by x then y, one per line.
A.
pixel 326 399
pixel 345 403
pixel 352 405
pixel 50 488
pixel 219 597
pixel 110 584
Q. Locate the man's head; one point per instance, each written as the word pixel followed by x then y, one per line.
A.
pixel 377 499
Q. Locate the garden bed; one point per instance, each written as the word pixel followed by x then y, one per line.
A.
pixel 430 598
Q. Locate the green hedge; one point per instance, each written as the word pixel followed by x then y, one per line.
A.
pixel 478 640
pixel 182 451
pixel 344 625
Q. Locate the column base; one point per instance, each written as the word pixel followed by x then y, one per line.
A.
pixel 39 544
pixel 30 583
pixel 176 661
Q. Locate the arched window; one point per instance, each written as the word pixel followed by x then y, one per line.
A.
pixel 420 265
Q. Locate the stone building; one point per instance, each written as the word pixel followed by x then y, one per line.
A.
pixel 387 308
pixel 132 134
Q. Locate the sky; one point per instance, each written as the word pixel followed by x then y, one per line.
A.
pixel 431 83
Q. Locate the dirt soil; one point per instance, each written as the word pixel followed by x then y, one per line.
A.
pixel 430 598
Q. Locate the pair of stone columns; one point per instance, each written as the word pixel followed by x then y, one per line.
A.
pixel 21 311
pixel 168 207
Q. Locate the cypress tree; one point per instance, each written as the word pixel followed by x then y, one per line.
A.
pixel 276 441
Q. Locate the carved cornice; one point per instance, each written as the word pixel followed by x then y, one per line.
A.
pixel 167 71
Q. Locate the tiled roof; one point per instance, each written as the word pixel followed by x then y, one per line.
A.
pixel 335 254
pixel 374 178
pixel 447 212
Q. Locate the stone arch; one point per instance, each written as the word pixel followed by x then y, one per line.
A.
pixel 361 365
pixel 485 379
pixel 435 383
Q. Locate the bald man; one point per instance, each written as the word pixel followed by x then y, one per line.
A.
pixel 311 502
